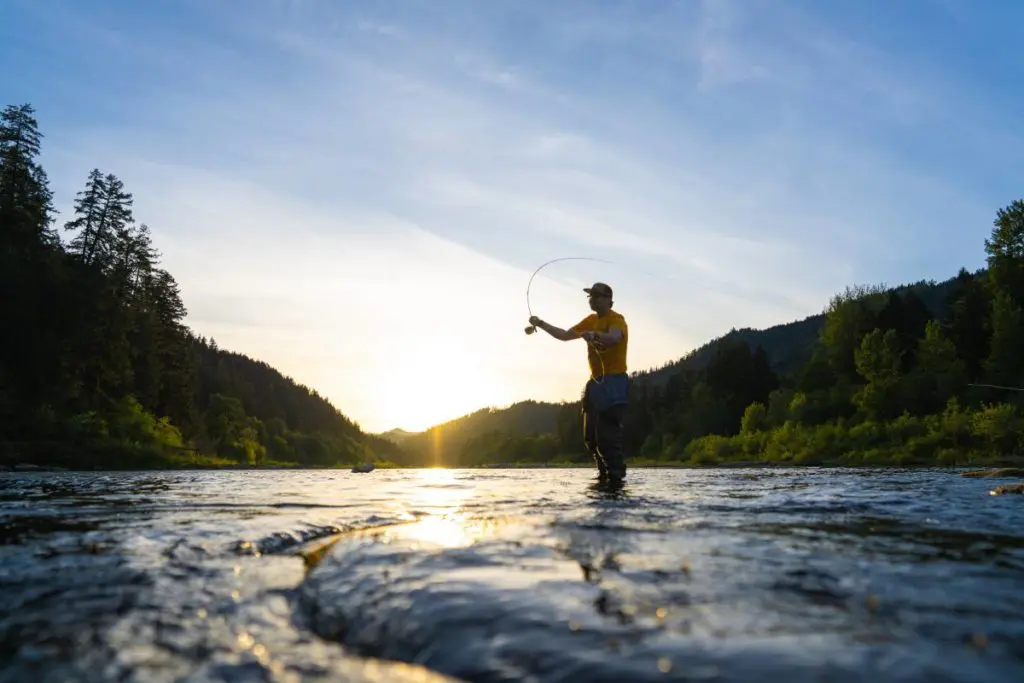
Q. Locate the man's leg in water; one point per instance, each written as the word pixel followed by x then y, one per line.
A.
pixel 591 439
pixel 609 437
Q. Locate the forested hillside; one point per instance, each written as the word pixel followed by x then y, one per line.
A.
pixel 523 432
pixel 883 375
pixel 97 368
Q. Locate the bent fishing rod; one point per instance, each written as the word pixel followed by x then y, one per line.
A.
pixel 530 329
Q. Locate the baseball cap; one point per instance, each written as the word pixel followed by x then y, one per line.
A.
pixel 599 289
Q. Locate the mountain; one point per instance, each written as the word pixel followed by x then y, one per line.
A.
pixel 397 436
pixel 553 428
pixel 294 422
pixel 483 429
pixel 789 345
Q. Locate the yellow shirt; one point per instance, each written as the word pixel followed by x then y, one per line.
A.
pixel 605 360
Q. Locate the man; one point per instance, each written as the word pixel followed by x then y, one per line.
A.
pixel 607 391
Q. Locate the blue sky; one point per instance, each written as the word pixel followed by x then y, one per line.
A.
pixel 357 193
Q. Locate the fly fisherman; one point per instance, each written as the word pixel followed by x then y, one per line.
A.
pixel 606 393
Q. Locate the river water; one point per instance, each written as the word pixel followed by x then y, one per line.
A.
pixel 510 575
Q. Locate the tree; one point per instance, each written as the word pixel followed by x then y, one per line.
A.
pixel 1005 249
pixel 878 361
pixel 738 377
pixel 906 314
pixel 90 220
pixel 26 202
pixel 30 359
pixel 754 418
pixel 133 259
pixel 762 380
pixel 970 307
pixel 706 412
pixel 939 373
pixel 816 374
pixel 104 221
pixel 1005 364
pixel 849 316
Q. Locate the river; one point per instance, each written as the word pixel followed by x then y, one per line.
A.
pixel 510 575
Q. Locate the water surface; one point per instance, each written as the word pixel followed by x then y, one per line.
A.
pixel 510 575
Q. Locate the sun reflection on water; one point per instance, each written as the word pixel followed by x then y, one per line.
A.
pixel 434 531
pixel 440 488
pixel 437 503
pixel 436 513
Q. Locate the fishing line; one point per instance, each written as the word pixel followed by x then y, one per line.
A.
pixel 531 329
pixel 997 386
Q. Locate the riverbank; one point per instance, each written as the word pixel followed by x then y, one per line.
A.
pixel 1009 467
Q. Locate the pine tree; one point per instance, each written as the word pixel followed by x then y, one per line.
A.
pixel 90 221
pixel 30 362
pixel 104 221
pixel 26 202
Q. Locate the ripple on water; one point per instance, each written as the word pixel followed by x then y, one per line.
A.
pixel 570 602
pixel 720 575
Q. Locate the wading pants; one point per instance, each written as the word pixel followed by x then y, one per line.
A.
pixel 604 404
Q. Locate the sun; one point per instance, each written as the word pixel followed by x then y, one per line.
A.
pixel 431 381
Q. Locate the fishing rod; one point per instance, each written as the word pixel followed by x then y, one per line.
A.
pixel 530 329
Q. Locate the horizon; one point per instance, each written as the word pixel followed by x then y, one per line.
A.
pixel 359 197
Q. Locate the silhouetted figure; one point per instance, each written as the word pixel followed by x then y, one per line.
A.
pixel 606 393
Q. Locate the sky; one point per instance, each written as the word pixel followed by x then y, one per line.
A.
pixel 359 193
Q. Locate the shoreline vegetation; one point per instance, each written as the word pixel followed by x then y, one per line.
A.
pixel 102 373
pixel 1010 467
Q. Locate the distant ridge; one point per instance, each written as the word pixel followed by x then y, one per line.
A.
pixel 397 435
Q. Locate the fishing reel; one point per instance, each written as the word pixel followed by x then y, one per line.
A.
pixel 530 329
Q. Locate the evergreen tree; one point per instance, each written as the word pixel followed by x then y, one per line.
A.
pixel 90 219
pixel 1005 364
pixel 26 202
pixel 970 306
pixel 104 220
pixel 30 362
pixel 1005 249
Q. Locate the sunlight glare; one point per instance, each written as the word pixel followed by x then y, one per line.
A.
pixel 436 531
pixel 433 380
pixel 440 494
pixel 439 491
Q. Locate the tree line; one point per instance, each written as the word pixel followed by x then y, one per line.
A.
pixel 98 368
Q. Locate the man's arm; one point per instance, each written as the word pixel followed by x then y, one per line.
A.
pixel 556 332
